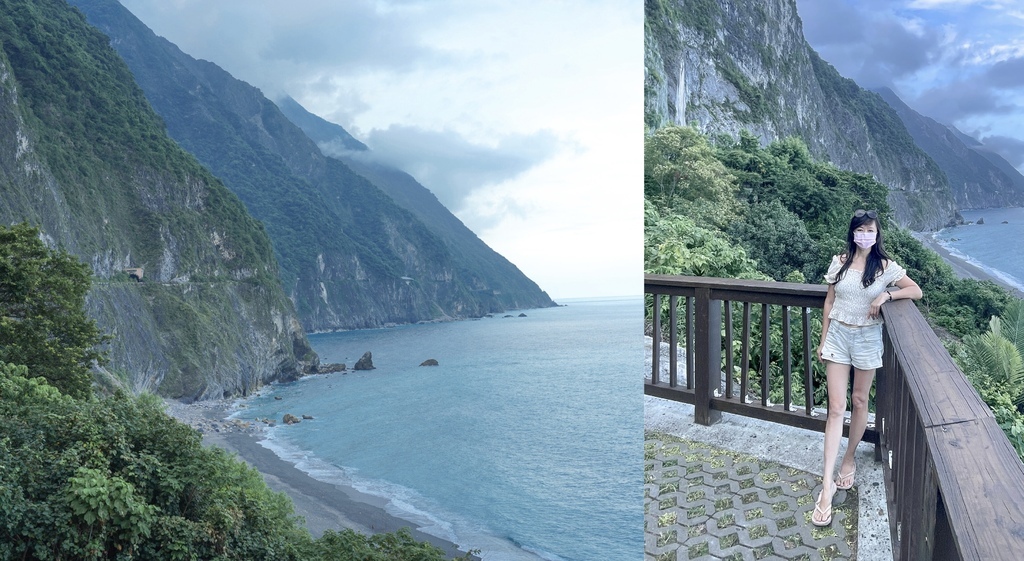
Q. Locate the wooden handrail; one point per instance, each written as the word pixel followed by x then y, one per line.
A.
pixel 954 484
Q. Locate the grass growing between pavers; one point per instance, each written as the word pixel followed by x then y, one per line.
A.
pixel 713 479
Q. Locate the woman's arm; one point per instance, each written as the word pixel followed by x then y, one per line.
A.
pixel 830 299
pixel 907 288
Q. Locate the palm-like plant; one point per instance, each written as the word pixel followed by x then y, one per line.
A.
pixel 997 356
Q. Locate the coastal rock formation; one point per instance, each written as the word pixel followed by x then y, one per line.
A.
pixel 429 362
pixel 329 368
pixel 365 362
pixel 290 419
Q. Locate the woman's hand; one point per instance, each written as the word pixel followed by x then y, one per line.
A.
pixel 820 347
pixel 876 305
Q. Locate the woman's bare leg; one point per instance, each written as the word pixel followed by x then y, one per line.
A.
pixel 838 376
pixel 859 419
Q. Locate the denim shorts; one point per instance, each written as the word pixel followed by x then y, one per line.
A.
pixel 859 346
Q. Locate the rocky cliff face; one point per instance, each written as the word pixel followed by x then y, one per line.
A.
pixel 727 66
pixel 350 256
pixel 83 156
pixel 974 178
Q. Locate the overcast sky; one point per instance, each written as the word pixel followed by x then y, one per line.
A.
pixel 524 118
pixel 959 62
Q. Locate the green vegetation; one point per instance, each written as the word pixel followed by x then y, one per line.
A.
pixel 42 318
pixel 100 139
pixel 994 362
pixel 86 477
pixel 736 209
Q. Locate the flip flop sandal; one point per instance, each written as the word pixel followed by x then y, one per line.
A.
pixel 844 478
pixel 817 509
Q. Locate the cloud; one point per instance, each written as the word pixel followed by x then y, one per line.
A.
pixel 874 47
pixel 960 62
pixel 1007 73
pixel 960 100
pixel 829 22
pixel 1011 149
pixel 453 167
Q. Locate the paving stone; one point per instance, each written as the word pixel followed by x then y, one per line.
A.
pixel 714 500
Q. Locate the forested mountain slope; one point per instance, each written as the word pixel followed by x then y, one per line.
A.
pixel 84 157
pixel 350 256
pixel 976 178
pixel 479 262
pixel 727 66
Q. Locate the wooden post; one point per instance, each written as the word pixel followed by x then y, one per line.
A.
pixel 708 375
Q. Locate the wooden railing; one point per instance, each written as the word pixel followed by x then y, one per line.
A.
pixel 955 486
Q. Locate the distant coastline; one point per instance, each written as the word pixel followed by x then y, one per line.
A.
pixel 961 267
pixel 324 506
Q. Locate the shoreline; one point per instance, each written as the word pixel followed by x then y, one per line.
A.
pixel 962 268
pixel 324 506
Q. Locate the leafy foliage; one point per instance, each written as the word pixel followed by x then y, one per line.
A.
pixel 116 478
pixel 681 173
pixel 675 245
pixel 43 323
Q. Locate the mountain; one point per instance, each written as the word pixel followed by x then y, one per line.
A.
pixel 975 177
pixel 350 257
pixel 998 161
pixel 84 157
pixel 470 253
pixel 726 66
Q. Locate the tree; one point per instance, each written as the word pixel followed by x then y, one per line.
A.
pixel 681 172
pixel 43 324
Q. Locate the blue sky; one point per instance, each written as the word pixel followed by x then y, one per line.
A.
pixel 524 118
pixel 960 62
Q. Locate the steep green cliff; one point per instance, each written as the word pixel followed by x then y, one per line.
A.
pixel 727 66
pixel 84 157
pixel 350 256
pixel 977 178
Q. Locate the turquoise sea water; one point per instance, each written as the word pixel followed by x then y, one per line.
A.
pixel 996 247
pixel 525 442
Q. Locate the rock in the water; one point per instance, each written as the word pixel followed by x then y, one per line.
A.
pixel 307 417
pixel 522 315
pixel 980 221
pixel 365 362
pixel 290 419
pixel 332 367
pixel 507 315
pixel 277 397
pixel 429 362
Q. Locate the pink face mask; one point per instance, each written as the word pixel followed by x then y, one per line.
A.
pixel 864 240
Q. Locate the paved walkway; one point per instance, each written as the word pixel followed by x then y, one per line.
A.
pixel 704 500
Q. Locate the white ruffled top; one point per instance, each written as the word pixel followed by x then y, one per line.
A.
pixel 853 301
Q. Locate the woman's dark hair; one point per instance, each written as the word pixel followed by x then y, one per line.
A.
pixel 876 257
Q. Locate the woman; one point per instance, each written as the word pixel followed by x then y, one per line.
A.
pixel 851 335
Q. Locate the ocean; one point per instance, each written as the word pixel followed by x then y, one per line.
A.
pixel 525 442
pixel 993 246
